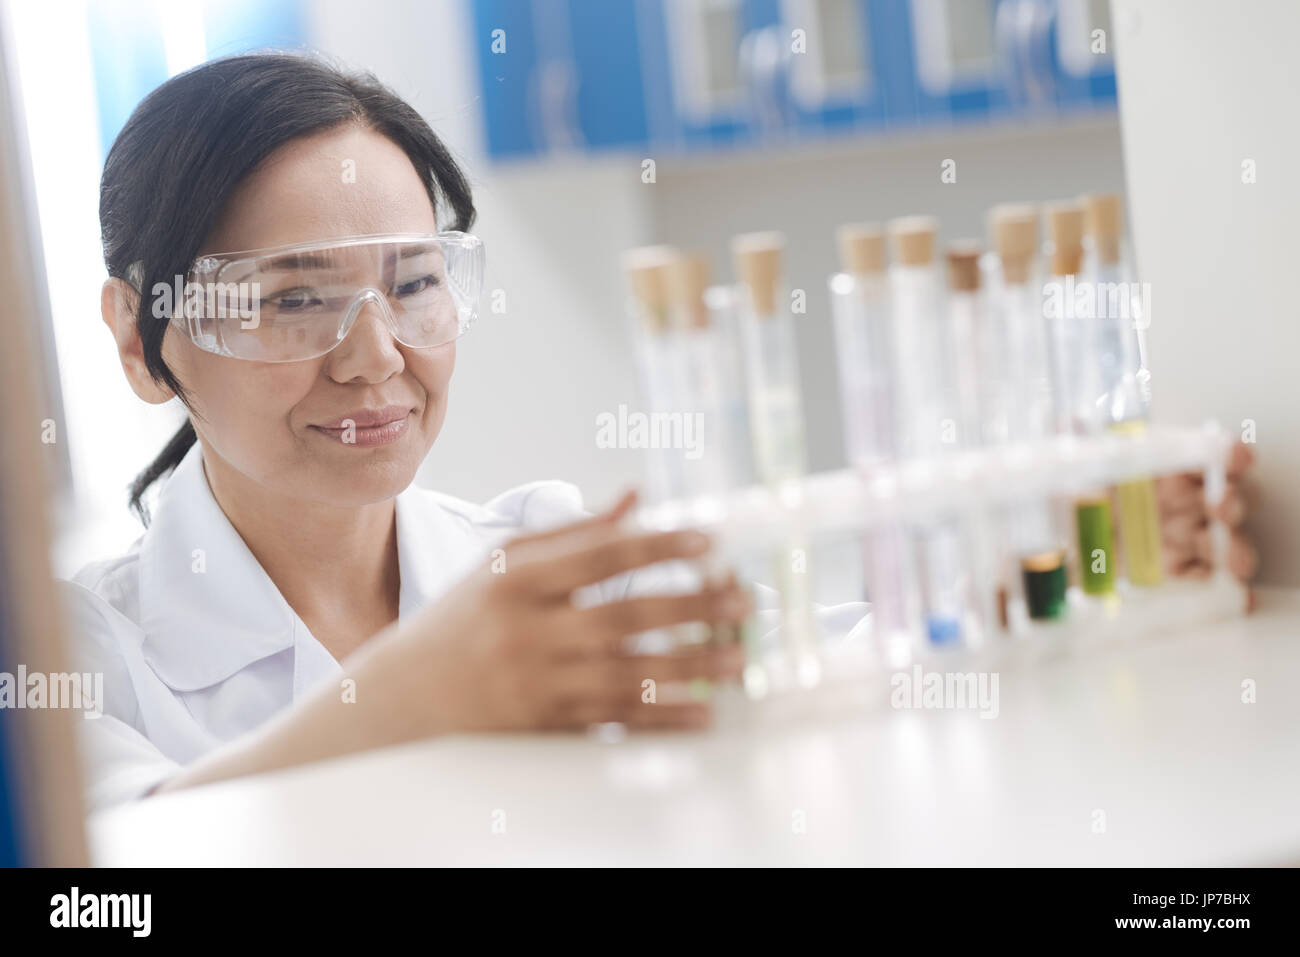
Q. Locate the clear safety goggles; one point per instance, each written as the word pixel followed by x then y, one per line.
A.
pixel 290 303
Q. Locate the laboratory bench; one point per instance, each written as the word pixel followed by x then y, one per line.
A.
pixel 1181 749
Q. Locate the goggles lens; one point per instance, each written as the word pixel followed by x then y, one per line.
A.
pixel 299 302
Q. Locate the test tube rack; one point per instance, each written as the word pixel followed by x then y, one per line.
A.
pixel 846 500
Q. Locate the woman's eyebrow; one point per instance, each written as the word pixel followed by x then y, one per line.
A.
pixel 289 263
pixel 299 261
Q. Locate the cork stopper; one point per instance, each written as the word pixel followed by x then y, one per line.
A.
pixel 758 264
pixel 688 279
pixel 912 239
pixel 1065 229
pixel 964 266
pixel 1104 221
pixel 1013 231
pixel 862 248
pixel 647 269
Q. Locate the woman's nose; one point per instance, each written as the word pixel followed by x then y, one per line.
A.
pixel 369 350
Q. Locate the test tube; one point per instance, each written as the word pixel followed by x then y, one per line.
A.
pixel 658 352
pixel 916 289
pixel 734 426
pixel 703 383
pixel 1077 381
pixel 967 319
pixel 860 308
pixel 700 377
pixel 1020 406
pixel 1108 266
pixel 772 365
pixel 1026 369
pixel 860 311
pixel 776 419
pixel 1119 394
pixel 967 328
pixel 925 393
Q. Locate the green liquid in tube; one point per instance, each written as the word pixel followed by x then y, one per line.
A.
pixel 1096 545
pixel 1044 580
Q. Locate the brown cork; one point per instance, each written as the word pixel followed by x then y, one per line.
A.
pixel 758 259
pixel 647 269
pixel 1104 221
pixel 1048 561
pixel 688 278
pixel 1013 232
pixel 964 265
pixel 1065 230
pixel 912 239
pixel 862 248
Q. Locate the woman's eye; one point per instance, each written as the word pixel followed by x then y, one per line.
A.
pixel 413 287
pixel 293 300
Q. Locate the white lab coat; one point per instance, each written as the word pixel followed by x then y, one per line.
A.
pixel 197 646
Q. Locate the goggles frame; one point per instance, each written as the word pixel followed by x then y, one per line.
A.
pixel 208 333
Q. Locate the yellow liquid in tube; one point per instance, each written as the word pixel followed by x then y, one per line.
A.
pixel 1139 516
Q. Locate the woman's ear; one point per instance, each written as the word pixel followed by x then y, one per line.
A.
pixel 118 303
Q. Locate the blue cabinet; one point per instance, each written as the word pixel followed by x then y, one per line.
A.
pixel 559 75
pixel 704 75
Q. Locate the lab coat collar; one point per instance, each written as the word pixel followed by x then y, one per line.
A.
pixel 207 607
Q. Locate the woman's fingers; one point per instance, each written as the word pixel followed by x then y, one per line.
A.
pixel 563 570
pixel 600 629
pixel 1179 531
pixel 1240 460
pixel 1193 557
pixel 1180 494
pixel 1232 510
pixel 601 522
pixel 1242 557
pixel 616 679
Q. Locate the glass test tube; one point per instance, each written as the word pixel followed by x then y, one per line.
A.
pixel 860 310
pixel 658 351
pixel 966 327
pixel 776 418
pixel 703 382
pixel 1022 412
pixel 923 391
pixel 916 291
pixel 734 427
pixel 1122 402
pixel 1078 373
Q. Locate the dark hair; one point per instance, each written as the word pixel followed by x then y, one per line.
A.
pixel 193 140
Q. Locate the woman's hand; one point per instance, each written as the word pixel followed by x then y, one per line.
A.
pixel 1185 521
pixel 508 649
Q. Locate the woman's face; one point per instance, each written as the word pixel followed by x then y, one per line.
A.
pixel 269 421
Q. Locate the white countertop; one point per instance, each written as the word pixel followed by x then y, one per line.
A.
pixel 1153 733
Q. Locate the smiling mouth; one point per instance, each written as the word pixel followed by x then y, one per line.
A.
pixel 350 431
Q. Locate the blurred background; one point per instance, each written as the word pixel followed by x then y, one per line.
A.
pixel 591 126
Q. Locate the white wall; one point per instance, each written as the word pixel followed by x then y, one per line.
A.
pixel 1205 86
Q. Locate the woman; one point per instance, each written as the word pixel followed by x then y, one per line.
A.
pixel 279 607
pixel 294 596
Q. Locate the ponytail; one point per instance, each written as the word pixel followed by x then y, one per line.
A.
pixel 167 460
